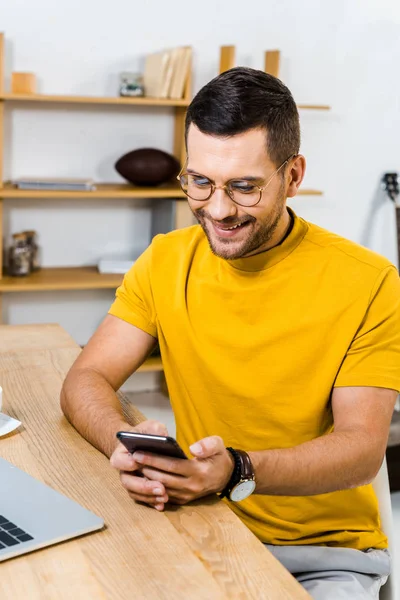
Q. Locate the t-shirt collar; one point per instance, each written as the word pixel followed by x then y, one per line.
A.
pixel 269 258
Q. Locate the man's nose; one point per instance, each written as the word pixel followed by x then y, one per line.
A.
pixel 221 206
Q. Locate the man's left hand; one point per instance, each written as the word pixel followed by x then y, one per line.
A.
pixel 185 480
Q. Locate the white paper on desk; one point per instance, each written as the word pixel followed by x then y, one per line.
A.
pixel 7 424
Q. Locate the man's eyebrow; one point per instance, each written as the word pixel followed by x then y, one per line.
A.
pixel 243 177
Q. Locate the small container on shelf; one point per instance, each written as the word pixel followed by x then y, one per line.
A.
pixel 131 84
pixel 19 258
pixel 31 241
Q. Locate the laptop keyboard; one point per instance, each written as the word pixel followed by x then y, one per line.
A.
pixel 11 534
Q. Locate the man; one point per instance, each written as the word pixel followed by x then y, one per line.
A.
pixel 279 340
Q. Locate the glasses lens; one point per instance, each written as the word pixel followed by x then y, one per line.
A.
pixel 196 187
pixel 244 192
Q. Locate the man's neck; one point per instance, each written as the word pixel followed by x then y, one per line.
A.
pixel 280 234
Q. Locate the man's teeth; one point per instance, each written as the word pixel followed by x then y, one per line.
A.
pixel 234 227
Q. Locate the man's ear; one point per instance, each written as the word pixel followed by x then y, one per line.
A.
pixel 296 175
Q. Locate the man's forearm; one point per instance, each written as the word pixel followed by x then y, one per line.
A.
pixel 337 461
pixel 92 407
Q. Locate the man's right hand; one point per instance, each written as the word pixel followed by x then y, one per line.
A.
pixel 140 488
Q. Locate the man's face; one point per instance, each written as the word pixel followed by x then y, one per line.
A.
pixel 235 231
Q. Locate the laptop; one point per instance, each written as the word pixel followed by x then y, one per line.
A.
pixel 33 516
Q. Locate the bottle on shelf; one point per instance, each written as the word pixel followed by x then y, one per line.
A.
pixel 19 259
pixel 31 236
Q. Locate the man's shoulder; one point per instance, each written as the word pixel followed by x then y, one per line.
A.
pixel 179 240
pixel 345 251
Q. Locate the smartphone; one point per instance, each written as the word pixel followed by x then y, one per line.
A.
pixel 156 444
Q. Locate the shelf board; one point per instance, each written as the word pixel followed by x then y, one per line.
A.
pixel 152 364
pixel 114 190
pixel 103 190
pixel 110 100
pixel 313 107
pixel 71 278
pixel 309 192
pixel 54 98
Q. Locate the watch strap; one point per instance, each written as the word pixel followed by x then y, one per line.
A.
pixel 236 474
pixel 247 471
pixel 242 470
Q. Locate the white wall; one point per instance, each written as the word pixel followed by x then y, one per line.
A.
pixel 345 54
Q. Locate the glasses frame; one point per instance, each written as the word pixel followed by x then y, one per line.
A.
pixel 225 187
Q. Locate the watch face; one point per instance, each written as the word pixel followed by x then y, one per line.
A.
pixel 242 490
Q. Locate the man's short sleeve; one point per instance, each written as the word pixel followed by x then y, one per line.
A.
pixel 134 298
pixel 373 358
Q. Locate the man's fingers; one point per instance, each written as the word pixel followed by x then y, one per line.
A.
pixel 149 499
pixel 122 460
pixel 152 427
pixel 157 503
pixel 208 447
pixel 174 482
pixel 144 487
pixel 178 466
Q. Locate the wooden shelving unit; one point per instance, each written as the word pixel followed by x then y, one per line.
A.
pixel 85 278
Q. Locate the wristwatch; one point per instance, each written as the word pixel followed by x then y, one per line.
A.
pixel 242 482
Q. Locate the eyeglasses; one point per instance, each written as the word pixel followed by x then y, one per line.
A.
pixel 241 191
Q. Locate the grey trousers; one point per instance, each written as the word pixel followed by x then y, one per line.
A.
pixel 336 573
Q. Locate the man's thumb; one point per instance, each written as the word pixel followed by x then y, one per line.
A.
pixel 208 447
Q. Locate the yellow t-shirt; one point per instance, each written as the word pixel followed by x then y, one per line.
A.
pixel 253 347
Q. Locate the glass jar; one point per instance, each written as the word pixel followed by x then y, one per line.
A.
pixel 31 240
pixel 131 84
pixel 19 260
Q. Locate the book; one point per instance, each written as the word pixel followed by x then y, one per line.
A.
pixel 169 72
pixel 57 183
pixel 155 70
pixel 181 72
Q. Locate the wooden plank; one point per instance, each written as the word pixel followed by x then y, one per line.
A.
pixel 25 338
pixel 212 530
pixel 187 95
pixel 2 60
pixel 226 58
pixel 313 107
pixel 103 190
pixel 153 363
pixel 1 238
pixel 179 137
pixel 272 62
pixel 1 144
pixel 183 215
pixel 198 551
pixel 65 99
pixel 139 552
pixel 72 278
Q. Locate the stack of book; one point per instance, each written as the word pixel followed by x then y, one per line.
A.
pixel 55 184
pixel 166 73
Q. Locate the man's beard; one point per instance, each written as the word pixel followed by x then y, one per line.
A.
pixel 259 234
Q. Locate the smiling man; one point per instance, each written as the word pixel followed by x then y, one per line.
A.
pixel 280 343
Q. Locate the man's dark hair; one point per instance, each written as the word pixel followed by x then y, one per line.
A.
pixel 242 99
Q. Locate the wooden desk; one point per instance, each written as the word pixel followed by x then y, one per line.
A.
pixel 199 551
